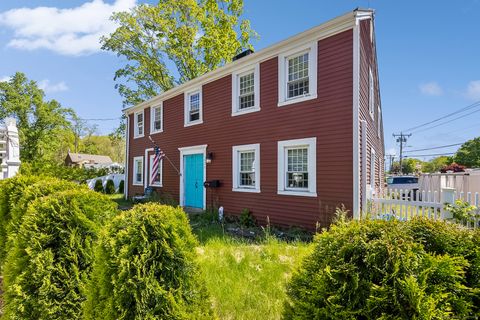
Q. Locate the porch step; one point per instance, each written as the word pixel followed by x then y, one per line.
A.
pixel 192 210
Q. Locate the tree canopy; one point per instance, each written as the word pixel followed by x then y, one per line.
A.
pixel 469 154
pixel 173 42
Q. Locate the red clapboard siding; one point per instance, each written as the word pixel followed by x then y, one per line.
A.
pixel 329 118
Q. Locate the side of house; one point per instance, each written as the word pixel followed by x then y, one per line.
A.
pixel 278 129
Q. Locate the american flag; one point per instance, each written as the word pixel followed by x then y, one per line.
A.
pixel 156 163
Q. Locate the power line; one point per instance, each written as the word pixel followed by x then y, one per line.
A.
pixel 474 105
pixel 97 119
pixel 447 122
pixel 439 147
pixel 430 155
pixel 401 138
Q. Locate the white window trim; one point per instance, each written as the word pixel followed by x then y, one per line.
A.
pixel 160 169
pixel 152 119
pixel 371 94
pixel 379 120
pixel 312 49
pixel 134 180
pixel 235 168
pixel 373 175
pixel 236 89
pixel 311 143
pixel 135 125
pixel 186 112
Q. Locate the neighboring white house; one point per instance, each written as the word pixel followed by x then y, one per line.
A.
pixel 9 148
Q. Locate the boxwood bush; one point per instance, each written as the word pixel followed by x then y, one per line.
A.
pixel 145 268
pixel 46 271
pixel 11 191
pixel 419 269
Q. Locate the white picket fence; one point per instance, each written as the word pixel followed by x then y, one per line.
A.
pixel 406 204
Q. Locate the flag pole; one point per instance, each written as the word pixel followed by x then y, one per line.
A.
pixel 165 155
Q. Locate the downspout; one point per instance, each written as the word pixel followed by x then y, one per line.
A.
pixel 127 141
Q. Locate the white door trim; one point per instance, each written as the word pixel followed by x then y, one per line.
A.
pixel 187 151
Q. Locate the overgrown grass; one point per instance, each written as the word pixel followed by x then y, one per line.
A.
pixel 246 279
pixel 121 201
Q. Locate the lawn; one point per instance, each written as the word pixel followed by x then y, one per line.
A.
pixel 246 279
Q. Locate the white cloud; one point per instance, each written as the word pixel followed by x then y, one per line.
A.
pixel 73 31
pixel 473 90
pixel 431 89
pixel 5 78
pixel 48 87
pixel 392 151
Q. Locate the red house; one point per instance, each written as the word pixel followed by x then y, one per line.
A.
pixel 290 132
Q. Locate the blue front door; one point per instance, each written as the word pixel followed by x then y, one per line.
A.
pixel 193 180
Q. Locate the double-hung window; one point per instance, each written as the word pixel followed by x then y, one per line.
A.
pixel 156 180
pixel 371 94
pixel 246 168
pixel 193 107
pixel 138 171
pixel 138 124
pixel 297 167
pixel 297 75
pixel 246 91
pixel 372 170
pixel 156 119
pixel 379 120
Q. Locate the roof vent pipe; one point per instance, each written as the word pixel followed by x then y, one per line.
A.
pixel 242 54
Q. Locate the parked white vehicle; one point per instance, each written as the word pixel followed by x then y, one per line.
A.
pixel 405 184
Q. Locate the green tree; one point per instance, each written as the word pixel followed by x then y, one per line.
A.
pixel 195 36
pixel 409 165
pixel 469 153
pixel 43 125
pixel 435 164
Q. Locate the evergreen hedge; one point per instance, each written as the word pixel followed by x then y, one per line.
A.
pixel 419 269
pixel 10 193
pixel 46 271
pixel 145 268
pixel 110 187
pixel 98 185
pixel 121 186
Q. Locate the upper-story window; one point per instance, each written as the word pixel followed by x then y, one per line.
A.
pixel 246 91
pixel 193 107
pixel 371 94
pixel 156 119
pixel 138 124
pixel 297 167
pixel 246 168
pixel 297 75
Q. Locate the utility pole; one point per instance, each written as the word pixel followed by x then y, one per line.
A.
pixel 391 158
pixel 401 138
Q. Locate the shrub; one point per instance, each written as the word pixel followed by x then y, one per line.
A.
pixel 46 271
pixel 121 186
pixel 11 192
pixel 109 187
pixel 388 270
pixel 98 185
pixel 61 171
pixel 246 218
pixel 145 268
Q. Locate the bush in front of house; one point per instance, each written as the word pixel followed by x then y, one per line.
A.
pixel 121 186
pixel 98 185
pixel 145 268
pixel 109 187
pixel 46 271
pixel 10 193
pixel 388 270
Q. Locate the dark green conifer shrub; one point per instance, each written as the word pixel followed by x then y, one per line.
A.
pixel 46 271
pixel 10 193
pixel 121 186
pixel 98 185
pixel 109 187
pixel 420 269
pixel 145 268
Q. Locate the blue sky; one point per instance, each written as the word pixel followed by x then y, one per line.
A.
pixel 428 55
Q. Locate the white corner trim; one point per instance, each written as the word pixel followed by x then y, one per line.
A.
pixel 187 151
pixel 311 48
pixel 186 109
pixel 135 160
pixel 152 118
pixel 135 124
pixel 356 119
pixel 127 155
pixel 236 89
pixel 311 144
pixel 236 166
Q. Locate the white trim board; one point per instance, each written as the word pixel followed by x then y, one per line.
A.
pixel 192 150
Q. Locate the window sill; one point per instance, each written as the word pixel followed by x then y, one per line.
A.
pixel 297 193
pixel 137 184
pixel 139 136
pixel 245 111
pixel 192 123
pixel 156 185
pixel 297 100
pixel 158 131
pixel 246 190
